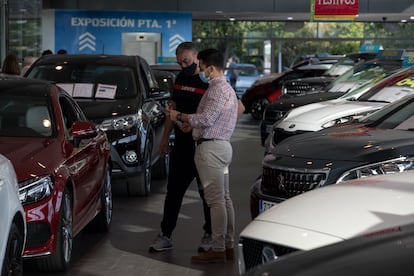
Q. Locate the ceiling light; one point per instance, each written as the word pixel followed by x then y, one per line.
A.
pixel 232 19
pixel 289 18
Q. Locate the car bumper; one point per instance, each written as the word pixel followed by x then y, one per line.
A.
pixel 127 157
pixel 260 202
pixel 42 219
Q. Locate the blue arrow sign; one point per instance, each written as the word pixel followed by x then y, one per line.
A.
pixel 80 31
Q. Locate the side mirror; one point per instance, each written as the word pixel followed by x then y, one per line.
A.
pixel 159 94
pixel 83 130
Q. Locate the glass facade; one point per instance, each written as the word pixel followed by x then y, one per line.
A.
pixel 271 45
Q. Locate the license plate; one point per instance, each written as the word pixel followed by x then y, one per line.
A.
pixel 264 205
pixel 269 129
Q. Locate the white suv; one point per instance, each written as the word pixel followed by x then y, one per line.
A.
pixel 13 223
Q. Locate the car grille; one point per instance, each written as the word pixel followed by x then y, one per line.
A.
pixel 254 255
pixel 297 88
pixel 38 233
pixel 285 183
pixel 280 134
pixel 271 116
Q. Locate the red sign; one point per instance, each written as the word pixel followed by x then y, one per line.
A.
pixel 335 9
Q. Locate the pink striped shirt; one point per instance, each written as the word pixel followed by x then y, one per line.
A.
pixel 216 115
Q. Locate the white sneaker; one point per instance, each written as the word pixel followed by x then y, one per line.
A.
pixel 161 243
pixel 205 243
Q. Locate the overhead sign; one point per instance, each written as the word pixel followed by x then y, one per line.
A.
pixel 334 10
pixel 95 32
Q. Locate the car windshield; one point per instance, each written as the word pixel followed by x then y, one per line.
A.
pixel 397 115
pixel 24 116
pixel 89 80
pixel 340 68
pixel 353 80
pixel 390 89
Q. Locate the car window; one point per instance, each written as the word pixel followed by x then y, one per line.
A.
pixel 69 114
pixel 25 116
pixel 148 81
pixel 89 80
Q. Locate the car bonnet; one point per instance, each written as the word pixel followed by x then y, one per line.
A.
pixel 349 142
pixel 313 117
pixel 337 212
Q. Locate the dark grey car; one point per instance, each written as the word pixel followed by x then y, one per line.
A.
pixel 121 95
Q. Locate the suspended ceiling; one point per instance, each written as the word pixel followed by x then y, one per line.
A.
pixel 256 10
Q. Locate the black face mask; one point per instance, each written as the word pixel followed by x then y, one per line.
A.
pixel 190 70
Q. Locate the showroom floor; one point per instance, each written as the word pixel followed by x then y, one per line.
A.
pixel 124 250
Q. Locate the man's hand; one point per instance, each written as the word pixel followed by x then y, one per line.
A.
pixel 173 115
pixel 186 127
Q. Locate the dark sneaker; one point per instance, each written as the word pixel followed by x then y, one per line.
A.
pixel 210 257
pixel 161 243
pixel 205 243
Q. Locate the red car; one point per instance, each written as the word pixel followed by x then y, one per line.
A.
pixel 260 94
pixel 62 163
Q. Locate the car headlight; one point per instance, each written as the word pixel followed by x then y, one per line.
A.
pixel 385 167
pixel 120 123
pixel 35 190
pixel 345 119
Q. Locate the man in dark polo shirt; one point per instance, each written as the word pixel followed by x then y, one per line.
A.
pixel 188 90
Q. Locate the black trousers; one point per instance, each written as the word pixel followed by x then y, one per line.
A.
pixel 182 172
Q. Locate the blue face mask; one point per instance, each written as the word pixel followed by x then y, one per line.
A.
pixel 203 77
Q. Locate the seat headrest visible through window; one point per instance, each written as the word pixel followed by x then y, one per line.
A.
pixel 38 119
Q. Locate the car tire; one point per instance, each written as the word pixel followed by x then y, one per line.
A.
pixel 257 108
pixel 102 221
pixel 141 185
pixel 60 259
pixel 13 261
pixel 160 169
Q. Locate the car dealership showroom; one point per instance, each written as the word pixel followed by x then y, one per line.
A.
pixel 321 177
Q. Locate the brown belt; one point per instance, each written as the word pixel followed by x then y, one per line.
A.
pixel 201 140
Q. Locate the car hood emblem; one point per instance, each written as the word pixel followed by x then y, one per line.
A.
pixel 292 126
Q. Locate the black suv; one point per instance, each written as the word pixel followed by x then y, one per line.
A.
pixel 381 143
pixel 121 95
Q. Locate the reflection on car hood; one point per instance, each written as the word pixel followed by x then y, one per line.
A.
pixel 30 156
pixel 311 117
pixel 339 212
pixel 353 142
pixel 97 110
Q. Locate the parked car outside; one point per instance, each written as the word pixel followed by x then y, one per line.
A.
pixel 380 143
pixel 13 222
pixel 120 94
pixel 329 215
pixel 247 75
pixel 257 97
pixel 359 79
pixel 63 167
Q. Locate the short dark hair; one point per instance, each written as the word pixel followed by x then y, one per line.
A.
pixel 187 45
pixel 211 57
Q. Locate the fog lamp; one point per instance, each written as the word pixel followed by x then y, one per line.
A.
pixel 131 156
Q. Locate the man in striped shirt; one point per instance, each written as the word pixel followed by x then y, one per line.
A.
pixel 212 126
